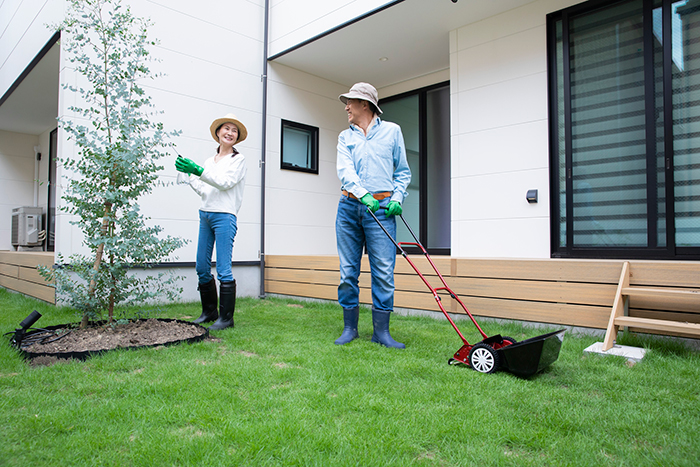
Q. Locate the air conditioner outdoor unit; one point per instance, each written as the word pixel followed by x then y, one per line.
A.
pixel 26 227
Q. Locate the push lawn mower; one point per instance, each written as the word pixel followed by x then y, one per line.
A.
pixel 523 358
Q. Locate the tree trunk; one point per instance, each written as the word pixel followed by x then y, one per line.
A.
pixel 98 258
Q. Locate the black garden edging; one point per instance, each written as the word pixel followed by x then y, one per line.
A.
pixel 84 355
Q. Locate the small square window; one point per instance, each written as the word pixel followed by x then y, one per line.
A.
pixel 299 147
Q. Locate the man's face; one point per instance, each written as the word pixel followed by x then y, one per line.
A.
pixel 354 108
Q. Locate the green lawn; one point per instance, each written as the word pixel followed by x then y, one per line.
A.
pixel 276 391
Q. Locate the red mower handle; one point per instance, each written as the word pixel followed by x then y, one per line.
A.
pixel 434 290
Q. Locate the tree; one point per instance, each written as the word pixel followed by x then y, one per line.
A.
pixel 118 148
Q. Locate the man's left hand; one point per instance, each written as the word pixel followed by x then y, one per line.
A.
pixel 394 208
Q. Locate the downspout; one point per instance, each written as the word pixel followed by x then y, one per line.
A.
pixel 37 158
pixel 263 150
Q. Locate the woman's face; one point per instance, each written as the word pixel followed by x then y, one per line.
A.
pixel 228 134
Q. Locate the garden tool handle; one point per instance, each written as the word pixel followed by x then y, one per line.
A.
pixel 418 243
pixel 374 216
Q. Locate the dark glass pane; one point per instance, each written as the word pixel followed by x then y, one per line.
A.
pixel 296 147
pixel 657 39
pixel 438 168
pixel 608 127
pixel 685 26
pixel 404 112
pixel 561 134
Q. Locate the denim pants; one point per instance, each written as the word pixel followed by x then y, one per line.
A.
pixel 355 228
pixel 219 228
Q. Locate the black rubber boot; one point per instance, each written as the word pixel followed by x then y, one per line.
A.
pixel 207 293
pixel 351 316
pixel 227 305
pixel 381 335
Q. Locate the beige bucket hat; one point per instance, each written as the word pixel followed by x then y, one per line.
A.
pixel 364 91
pixel 229 118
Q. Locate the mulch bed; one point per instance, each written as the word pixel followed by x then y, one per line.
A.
pixel 83 343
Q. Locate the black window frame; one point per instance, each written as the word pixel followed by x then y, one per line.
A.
pixel 313 132
pixel 668 250
pixel 422 231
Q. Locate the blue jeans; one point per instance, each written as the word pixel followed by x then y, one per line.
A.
pixel 219 228
pixel 355 228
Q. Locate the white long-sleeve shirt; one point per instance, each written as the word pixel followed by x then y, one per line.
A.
pixel 221 184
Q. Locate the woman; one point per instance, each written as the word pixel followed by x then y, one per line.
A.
pixel 220 183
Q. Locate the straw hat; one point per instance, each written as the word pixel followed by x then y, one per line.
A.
pixel 229 118
pixel 363 91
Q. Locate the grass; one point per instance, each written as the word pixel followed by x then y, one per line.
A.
pixel 276 391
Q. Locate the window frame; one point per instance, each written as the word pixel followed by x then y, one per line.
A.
pixel 669 251
pixel 422 230
pixel 313 133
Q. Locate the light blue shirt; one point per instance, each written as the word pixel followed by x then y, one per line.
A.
pixel 374 163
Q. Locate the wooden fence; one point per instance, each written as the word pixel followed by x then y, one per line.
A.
pixel 18 272
pixel 556 291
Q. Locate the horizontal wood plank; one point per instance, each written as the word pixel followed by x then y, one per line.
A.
pixel 303 275
pixel 29 259
pixel 607 272
pixel 543 291
pixel 42 292
pixel 668 293
pixel 32 275
pixel 323 292
pixel 554 313
pixel 329 263
pixel 443 265
pixel 665 315
pixel 665 274
pixel 659 325
pixel 11 270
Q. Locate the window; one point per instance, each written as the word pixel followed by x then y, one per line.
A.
pixel 299 147
pixel 424 117
pixel 624 103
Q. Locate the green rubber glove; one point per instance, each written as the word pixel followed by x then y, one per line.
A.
pixel 369 201
pixel 394 208
pixel 182 164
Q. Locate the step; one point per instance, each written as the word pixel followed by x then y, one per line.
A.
pixel 658 325
pixel 659 292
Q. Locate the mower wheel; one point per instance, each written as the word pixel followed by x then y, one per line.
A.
pixel 508 341
pixel 483 358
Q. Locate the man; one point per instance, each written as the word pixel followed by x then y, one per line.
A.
pixel 374 173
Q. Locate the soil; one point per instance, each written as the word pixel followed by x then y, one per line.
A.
pixel 148 332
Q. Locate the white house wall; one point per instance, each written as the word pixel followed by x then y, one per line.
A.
pixel 23 34
pixel 210 57
pixel 16 178
pixel 301 207
pixel 500 135
pixel 211 61
pixel 293 22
